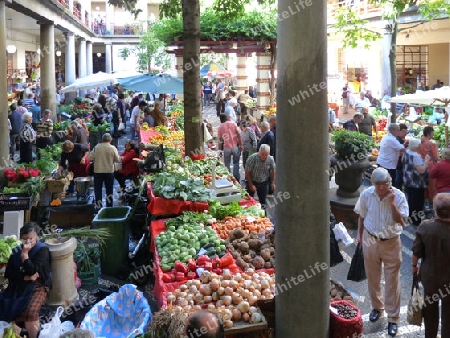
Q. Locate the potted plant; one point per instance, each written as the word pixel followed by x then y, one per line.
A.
pixel 87 256
pixel 350 161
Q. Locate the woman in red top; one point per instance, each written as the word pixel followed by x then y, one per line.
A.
pixel 440 173
pixel 129 169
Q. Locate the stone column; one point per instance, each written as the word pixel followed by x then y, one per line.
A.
pixel 108 57
pixel 302 188
pixel 385 66
pixel 82 63
pixel 262 83
pixel 4 151
pixel 48 81
pixel 69 65
pixel 89 58
pixel 241 75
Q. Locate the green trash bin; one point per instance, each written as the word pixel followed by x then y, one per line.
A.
pixel 115 249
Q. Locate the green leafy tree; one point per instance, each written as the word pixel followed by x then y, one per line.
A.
pixel 150 52
pixel 190 12
pixel 357 31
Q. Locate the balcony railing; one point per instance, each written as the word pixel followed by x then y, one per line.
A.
pixel 65 3
pixel 76 12
pixel 364 7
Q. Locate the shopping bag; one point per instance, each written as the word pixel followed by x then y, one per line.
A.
pixel 341 233
pixel 117 166
pixel 121 126
pixel 357 272
pixel 55 328
pixel 335 253
pixel 415 304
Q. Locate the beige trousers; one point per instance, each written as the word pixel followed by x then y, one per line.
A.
pixel 388 253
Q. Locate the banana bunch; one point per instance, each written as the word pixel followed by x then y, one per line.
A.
pixel 10 333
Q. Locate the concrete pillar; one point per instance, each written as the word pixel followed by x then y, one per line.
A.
pixel 89 58
pixel 4 151
pixel 241 75
pixel 69 64
pixel 385 66
pixel 302 210
pixel 82 63
pixel 48 81
pixel 108 57
pixel 262 83
pixel 63 291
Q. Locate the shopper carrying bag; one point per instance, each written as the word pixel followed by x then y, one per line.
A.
pixel 357 272
pixel 415 304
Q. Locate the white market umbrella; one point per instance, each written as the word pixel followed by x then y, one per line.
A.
pixel 440 96
pixel 90 81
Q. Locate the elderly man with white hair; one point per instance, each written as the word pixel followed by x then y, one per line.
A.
pixel 27 138
pixel 267 137
pixel 259 173
pixel 382 210
pixel 390 150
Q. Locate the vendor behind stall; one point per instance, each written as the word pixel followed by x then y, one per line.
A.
pixel 76 155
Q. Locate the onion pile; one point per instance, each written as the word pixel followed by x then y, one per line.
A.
pixel 234 297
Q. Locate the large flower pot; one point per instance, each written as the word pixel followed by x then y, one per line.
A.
pixel 63 291
pixel 348 175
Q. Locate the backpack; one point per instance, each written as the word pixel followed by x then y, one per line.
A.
pixel 344 94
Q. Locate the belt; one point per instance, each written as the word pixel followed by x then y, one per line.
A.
pixel 380 239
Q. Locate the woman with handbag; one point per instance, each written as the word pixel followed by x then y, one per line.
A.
pixel 432 246
pixel 29 275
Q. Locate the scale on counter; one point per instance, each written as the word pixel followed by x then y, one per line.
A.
pixel 223 190
pixel 82 188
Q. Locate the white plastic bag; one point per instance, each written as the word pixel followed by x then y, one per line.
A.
pixel 55 328
pixel 340 231
pixel 121 126
pixel 3 326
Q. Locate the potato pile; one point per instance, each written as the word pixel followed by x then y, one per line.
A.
pixel 252 250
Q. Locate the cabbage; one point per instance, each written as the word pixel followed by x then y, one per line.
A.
pixel 5 251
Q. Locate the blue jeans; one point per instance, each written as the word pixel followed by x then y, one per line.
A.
pixel 235 152
pixel 108 179
pixel 132 133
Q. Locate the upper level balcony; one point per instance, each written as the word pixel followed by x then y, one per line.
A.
pixel 365 9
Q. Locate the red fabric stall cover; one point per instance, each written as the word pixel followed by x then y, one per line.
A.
pixel 146 135
pixel 156 227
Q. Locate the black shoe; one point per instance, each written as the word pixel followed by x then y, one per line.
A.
pixel 374 315
pixel 392 329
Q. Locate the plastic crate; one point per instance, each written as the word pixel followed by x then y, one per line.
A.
pixel 13 202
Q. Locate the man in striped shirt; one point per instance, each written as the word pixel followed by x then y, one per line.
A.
pixel 382 210
pixel 258 169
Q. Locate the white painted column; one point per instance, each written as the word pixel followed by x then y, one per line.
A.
pixel 179 65
pixel 71 6
pixel 241 75
pixel 82 58
pixel 70 58
pixel 108 57
pixel 262 83
pixel 89 58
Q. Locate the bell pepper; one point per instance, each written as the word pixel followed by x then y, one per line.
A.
pixel 180 277
pixel 216 262
pixel 226 260
pixel 168 277
pixel 202 259
pixel 191 275
pixel 217 271
pixel 191 264
pixel 208 266
pixel 181 267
